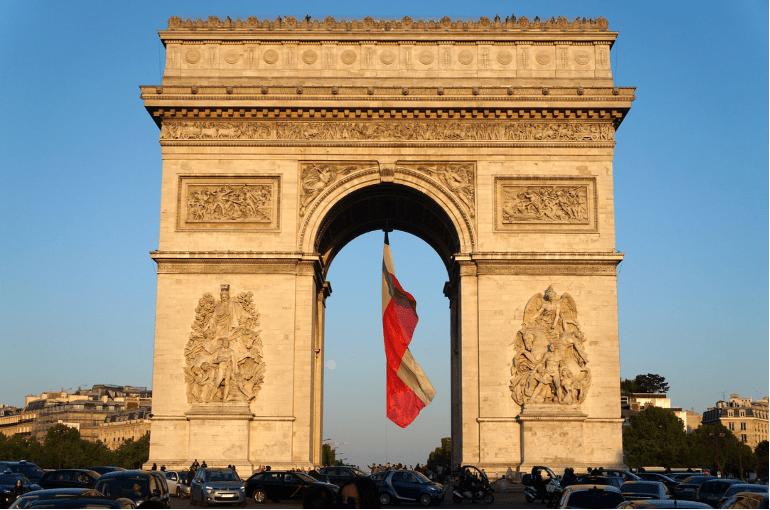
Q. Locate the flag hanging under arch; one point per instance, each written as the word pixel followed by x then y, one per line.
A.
pixel 409 389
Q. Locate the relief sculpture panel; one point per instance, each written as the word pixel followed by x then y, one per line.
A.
pixel 223 357
pixel 315 177
pixel 533 204
pixel 228 203
pixel 401 130
pixel 549 362
pixel 458 178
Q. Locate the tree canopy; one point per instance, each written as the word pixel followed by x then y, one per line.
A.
pixel 645 383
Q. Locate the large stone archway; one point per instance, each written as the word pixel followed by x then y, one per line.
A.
pixel 490 140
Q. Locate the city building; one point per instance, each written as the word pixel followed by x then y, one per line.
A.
pixel 133 423
pixel 86 410
pixel 746 419
pixel 632 404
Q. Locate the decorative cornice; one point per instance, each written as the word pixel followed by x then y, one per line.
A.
pixel 368 24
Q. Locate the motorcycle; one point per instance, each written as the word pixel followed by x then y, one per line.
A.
pixel 476 486
pixel 549 491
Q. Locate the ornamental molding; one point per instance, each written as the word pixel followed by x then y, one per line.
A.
pixel 547 268
pixel 330 24
pixel 406 130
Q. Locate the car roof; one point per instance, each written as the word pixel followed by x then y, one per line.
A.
pixel 126 473
pixel 667 503
pixel 591 486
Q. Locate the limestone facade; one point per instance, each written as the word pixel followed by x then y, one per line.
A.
pixel 492 141
pixel 747 420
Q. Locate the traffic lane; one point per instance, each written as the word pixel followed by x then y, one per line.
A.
pixel 502 500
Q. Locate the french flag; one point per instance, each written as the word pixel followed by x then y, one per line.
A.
pixel 409 390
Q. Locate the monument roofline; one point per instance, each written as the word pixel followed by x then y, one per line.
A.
pixel 368 29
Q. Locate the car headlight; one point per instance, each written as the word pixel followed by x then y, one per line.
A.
pixel 209 490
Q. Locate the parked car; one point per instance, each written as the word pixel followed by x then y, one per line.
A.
pixel 69 478
pixel 214 486
pixel 410 486
pixel 711 491
pixel 8 482
pixel 141 487
pixel 742 487
pixel 29 469
pixel 106 469
pixel 278 485
pixel 627 476
pixel 615 481
pixel 26 499
pixel 173 479
pixel 82 503
pixel 661 503
pixel 643 489
pixel 670 483
pixel 379 476
pixel 688 488
pixel 747 500
pixel 591 496
pixel 338 475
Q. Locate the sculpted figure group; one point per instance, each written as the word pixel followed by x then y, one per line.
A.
pixel 550 363
pixel 224 354
pixel 229 203
pixel 551 203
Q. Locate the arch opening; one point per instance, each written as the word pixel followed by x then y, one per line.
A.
pixel 402 207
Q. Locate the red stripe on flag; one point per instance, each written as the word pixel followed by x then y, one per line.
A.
pixel 403 404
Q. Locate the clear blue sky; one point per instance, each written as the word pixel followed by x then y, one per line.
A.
pixel 80 165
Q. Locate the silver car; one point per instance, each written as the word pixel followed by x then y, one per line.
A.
pixel 214 486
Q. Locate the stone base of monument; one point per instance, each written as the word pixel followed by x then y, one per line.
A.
pixel 552 436
pixel 219 434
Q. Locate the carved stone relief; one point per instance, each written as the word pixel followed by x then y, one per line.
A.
pixel 315 177
pixel 223 357
pixel 395 130
pixel 459 178
pixel 533 204
pixel 228 202
pixel 549 362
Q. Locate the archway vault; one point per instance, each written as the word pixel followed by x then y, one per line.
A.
pixel 407 201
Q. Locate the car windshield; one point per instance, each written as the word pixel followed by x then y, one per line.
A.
pixel 30 470
pixel 224 475
pixel 643 488
pixel 10 479
pixel 740 487
pixel 594 499
pixel 304 477
pixel 356 472
pixel 131 487
pixel 421 477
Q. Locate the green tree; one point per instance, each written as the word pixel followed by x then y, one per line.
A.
pixel 717 448
pixel 652 383
pixel 629 386
pixel 328 456
pixel 442 455
pixel 132 454
pixel 761 458
pixel 656 437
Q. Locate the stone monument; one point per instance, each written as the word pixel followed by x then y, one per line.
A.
pixel 283 140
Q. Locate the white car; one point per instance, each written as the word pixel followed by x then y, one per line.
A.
pixel 174 480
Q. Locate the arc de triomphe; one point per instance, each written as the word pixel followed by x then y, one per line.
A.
pixel 283 140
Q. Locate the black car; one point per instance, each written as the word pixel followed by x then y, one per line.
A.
pixel 69 478
pixel 338 475
pixel 83 503
pixel 688 488
pixel 26 499
pixel 8 482
pixel 615 481
pixel 711 491
pixel 643 489
pixel 747 500
pixel 142 487
pixel 627 476
pixel 278 485
pixel 410 486
pixel 591 496
pixel 742 487
pixel 670 483
pixel 29 469
pixel 106 469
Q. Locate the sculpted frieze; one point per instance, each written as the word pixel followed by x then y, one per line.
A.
pixel 550 365
pixel 536 204
pixel 223 357
pixel 220 202
pixel 459 178
pixel 315 177
pixel 394 130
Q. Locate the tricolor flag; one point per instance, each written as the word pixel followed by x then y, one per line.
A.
pixel 409 390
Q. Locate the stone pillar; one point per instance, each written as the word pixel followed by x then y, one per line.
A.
pixel 318 374
pixel 469 362
pixel 305 329
pixel 450 291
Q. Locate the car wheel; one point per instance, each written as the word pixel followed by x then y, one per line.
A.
pixel 489 498
pixel 384 498
pixel 260 496
pixel 426 500
pixel 178 493
pixel 529 498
